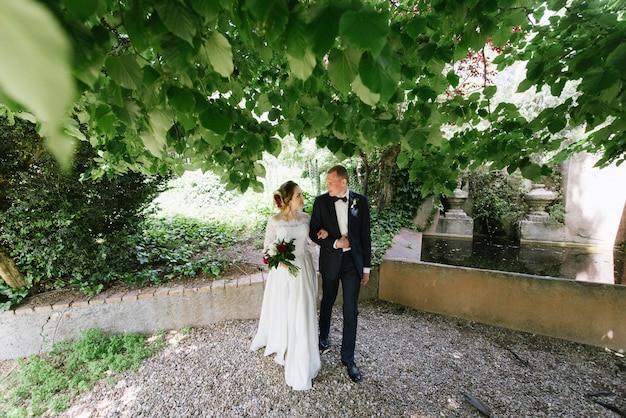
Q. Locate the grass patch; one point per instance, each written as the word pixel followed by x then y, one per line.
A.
pixel 47 383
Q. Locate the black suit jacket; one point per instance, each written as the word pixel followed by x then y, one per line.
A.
pixel 324 216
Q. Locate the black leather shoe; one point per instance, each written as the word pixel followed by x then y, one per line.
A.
pixel 353 372
pixel 324 346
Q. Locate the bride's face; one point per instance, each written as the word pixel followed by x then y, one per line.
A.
pixel 297 201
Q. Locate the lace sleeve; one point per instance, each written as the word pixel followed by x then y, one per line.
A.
pixel 270 233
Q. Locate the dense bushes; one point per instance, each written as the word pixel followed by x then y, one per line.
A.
pixel 497 202
pixel 61 228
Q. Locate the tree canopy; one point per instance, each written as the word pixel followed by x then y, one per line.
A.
pixel 159 85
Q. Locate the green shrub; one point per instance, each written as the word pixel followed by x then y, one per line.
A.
pixel 60 227
pixel 497 202
pixel 178 246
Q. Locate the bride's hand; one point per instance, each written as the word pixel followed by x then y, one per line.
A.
pixel 322 234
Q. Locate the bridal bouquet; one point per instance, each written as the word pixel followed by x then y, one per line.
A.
pixel 281 251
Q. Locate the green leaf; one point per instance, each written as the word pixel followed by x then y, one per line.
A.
pixel 124 70
pixel 36 65
pixel 154 138
pixel 213 119
pixel 135 24
pixel 322 27
pixel 208 9
pixel 364 93
pixel 490 91
pixel 276 24
pixel 258 169
pixel 178 54
pixel 254 143
pixel 556 4
pixel 318 117
pixel 302 68
pixel 617 59
pixel 60 144
pixel 402 161
pixel 79 8
pixel 272 145
pixel 213 139
pixel 501 36
pixel 222 157
pixel 261 8
pixel 365 28
pixel 534 69
pixel 525 85
pixel 296 32
pixel 343 67
pixel 515 17
pixel 263 104
pixel 556 124
pixel 435 137
pixel 381 74
pixel 452 78
pixel 473 38
pixel 181 99
pixel 417 138
pixel 177 18
pixel 530 171
pixel 416 26
pixel 274 114
pixel 218 53
pixel 598 80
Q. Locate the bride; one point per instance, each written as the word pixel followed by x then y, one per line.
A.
pixel 288 324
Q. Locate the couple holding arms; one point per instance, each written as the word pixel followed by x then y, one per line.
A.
pixel 288 326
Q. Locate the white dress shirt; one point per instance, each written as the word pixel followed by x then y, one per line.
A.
pixel 341 208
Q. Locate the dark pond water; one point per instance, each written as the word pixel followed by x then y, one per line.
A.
pixel 580 263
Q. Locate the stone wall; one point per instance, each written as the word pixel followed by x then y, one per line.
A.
pixel 595 201
pixel 588 313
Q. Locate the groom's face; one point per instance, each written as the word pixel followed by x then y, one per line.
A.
pixel 335 185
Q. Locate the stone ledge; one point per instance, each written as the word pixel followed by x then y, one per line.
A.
pixel 30 330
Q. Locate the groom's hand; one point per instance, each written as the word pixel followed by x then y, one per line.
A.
pixel 365 279
pixel 322 234
pixel 343 242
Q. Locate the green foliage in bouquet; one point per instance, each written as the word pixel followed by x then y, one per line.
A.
pixel 281 252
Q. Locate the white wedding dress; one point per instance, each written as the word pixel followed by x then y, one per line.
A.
pixel 288 324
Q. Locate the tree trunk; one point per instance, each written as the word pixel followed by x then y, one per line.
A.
pixel 9 272
pixel 387 165
pixel 363 172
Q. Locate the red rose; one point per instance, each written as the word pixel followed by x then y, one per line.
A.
pixel 282 248
pixel 266 260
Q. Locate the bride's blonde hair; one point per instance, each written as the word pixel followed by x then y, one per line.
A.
pixel 284 194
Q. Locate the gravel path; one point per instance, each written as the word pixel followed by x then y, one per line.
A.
pixel 414 364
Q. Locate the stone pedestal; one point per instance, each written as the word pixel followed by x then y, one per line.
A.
pixel 455 225
pixel 456 221
pixel 537 226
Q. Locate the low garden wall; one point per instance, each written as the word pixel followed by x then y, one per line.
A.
pixel 588 313
pixel 34 329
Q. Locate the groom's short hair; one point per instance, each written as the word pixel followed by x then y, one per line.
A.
pixel 340 170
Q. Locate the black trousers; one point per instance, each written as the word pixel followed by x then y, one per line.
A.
pixel 350 286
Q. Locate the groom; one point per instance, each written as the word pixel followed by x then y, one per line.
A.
pixel 340 224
